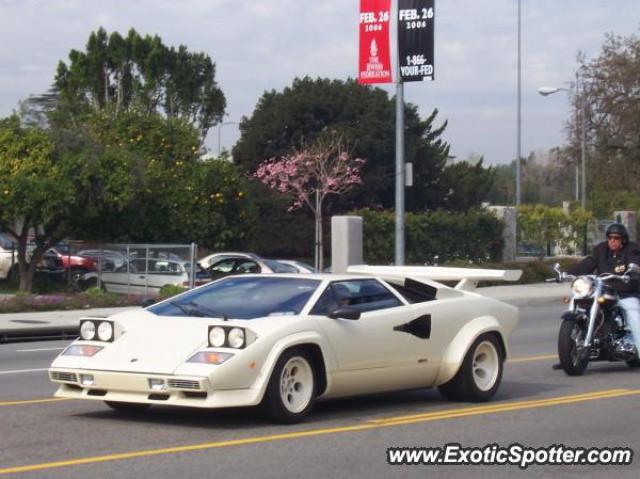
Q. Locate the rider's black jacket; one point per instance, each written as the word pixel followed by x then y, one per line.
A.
pixel 603 260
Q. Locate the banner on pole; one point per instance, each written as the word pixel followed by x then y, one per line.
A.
pixel 374 65
pixel 416 19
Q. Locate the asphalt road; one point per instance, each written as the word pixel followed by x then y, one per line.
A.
pixel 535 406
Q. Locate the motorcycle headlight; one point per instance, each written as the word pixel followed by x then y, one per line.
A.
pixel 582 287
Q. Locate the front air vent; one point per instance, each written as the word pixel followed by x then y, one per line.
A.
pixel 194 395
pixel 158 397
pixel 62 376
pixel 96 392
pixel 183 384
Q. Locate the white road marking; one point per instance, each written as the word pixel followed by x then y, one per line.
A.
pixel 20 371
pixel 40 349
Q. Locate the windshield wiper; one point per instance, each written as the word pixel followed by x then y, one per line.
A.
pixel 206 311
pixel 188 311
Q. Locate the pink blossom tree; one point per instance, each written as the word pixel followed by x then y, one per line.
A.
pixel 309 174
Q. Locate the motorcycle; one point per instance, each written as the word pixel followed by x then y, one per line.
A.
pixel 594 326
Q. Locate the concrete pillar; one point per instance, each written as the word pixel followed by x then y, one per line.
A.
pixel 509 216
pixel 629 220
pixel 346 242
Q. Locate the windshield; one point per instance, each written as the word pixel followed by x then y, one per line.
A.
pixel 5 242
pixel 242 298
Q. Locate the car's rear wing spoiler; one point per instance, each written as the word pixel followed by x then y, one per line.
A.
pixel 467 278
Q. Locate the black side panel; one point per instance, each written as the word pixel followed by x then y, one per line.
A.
pixel 420 327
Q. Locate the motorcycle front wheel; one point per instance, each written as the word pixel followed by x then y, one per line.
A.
pixel 573 363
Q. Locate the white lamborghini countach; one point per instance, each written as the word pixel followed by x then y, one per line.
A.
pixel 287 340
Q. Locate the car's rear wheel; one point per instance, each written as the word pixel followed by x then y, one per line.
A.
pixel 291 392
pixel 633 363
pixel 90 283
pixel 479 377
pixel 127 407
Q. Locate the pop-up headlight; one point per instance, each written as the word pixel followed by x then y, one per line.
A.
pixel 230 337
pixel 97 330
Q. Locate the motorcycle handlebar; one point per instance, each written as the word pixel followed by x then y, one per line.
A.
pixel 624 278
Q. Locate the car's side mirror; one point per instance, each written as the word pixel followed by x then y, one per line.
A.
pixel 147 302
pixel 345 313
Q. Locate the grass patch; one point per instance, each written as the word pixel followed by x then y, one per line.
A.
pixel 92 298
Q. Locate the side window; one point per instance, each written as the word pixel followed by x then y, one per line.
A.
pixel 327 302
pixel 140 266
pixel 223 267
pixel 363 295
pixel 248 267
pixel 161 267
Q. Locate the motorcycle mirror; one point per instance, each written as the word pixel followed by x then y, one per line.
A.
pixel 633 268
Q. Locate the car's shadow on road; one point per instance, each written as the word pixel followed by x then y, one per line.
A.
pixel 341 411
pixel 357 409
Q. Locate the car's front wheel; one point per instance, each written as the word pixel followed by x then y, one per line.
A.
pixel 479 377
pixel 127 407
pixel 291 392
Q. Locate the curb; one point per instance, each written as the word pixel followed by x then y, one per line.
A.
pixel 48 324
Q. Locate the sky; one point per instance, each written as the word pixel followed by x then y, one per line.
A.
pixel 259 46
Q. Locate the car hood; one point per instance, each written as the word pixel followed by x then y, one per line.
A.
pixel 151 344
pixel 161 344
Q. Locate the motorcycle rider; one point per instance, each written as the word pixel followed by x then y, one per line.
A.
pixel 614 256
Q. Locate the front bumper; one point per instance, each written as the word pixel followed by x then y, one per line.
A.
pixel 134 388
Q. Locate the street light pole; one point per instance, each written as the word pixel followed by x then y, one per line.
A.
pixel 220 128
pixel 519 122
pixel 583 137
pixel 581 107
pixel 549 90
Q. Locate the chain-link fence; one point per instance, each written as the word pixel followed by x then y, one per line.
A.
pixel 120 268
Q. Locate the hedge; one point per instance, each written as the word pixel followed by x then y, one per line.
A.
pixel 432 237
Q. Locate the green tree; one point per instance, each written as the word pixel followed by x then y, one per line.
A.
pixel 543 225
pixel 37 191
pixel 365 117
pixel 608 96
pixel 158 189
pixel 466 185
pixel 139 73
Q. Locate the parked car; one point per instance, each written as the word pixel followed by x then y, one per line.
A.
pixel 287 340
pixel 232 265
pixel 59 260
pixel 8 257
pixel 209 260
pixel 107 260
pixel 145 276
pixel 300 266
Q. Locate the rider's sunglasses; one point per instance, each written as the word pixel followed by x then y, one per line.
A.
pixel 614 238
